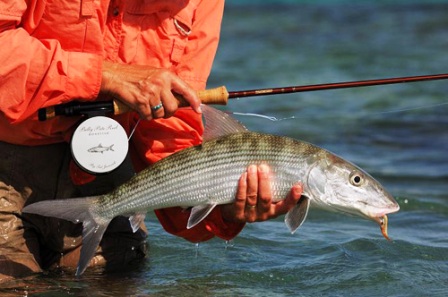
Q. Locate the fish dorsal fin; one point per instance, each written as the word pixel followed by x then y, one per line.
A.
pixel 198 213
pixel 296 216
pixel 218 123
pixel 137 220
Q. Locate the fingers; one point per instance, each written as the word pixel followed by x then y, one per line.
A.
pixel 145 111
pixel 158 111
pixel 246 205
pixel 188 94
pixel 160 89
pixel 144 88
pixel 253 201
pixel 170 104
pixel 166 104
pixel 157 108
pixel 264 192
pixel 252 189
pixel 253 198
pixel 236 212
pixel 283 206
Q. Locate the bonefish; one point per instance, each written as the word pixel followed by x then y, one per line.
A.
pixel 206 175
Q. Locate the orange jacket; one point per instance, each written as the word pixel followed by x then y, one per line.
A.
pixel 52 53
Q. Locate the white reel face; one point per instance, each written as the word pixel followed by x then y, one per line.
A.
pixel 99 145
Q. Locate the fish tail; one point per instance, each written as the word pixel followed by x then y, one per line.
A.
pixel 77 210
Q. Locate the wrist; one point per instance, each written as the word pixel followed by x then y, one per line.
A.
pixel 220 227
pixel 107 75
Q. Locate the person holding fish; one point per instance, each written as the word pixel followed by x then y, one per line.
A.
pixel 140 53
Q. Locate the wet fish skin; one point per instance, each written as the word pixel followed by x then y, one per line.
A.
pixel 207 175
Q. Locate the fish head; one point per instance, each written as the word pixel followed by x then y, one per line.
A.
pixel 339 185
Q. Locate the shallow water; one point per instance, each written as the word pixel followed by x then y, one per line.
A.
pixel 398 133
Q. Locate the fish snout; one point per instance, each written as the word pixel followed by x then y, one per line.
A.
pixel 395 207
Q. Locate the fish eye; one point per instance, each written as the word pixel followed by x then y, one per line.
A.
pixel 356 179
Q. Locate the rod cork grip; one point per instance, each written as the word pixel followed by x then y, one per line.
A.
pixel 217 95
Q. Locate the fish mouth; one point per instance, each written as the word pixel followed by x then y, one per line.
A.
pixel 395 208
pixel 382 221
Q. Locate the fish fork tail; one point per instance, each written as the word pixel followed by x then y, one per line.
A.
pixel 77 210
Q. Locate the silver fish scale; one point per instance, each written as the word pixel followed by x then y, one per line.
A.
pixel 208 173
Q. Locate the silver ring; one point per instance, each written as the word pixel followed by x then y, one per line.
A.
pixel 157 107
pixel 250 206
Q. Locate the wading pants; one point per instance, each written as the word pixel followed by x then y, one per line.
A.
pixel 30 243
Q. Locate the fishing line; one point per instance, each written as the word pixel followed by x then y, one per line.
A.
pixel 411 108
pixel 271 118
pixel 346 115
pixel 133 130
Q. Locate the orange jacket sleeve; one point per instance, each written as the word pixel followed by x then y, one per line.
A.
pixel 37 71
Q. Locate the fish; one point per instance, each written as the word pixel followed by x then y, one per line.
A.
pixel 204 176
pixel 100 149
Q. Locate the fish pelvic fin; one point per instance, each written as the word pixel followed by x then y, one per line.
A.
pixel 76 210
pixel 199 213
pixel 297 215
pixel 137 220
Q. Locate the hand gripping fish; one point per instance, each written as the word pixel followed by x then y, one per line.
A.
pixel 206 175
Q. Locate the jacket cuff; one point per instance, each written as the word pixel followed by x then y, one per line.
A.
pixel 215 224
pixel 174 220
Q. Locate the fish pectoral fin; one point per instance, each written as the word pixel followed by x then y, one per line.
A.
pixel 198 213
pixel 296 216
pixel 137 220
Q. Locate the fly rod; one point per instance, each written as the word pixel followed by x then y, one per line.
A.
pixel 220 95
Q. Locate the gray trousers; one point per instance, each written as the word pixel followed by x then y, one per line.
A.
pixel 30 243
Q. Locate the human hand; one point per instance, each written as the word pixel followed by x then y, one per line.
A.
pixel 143 88
pixel 253 201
